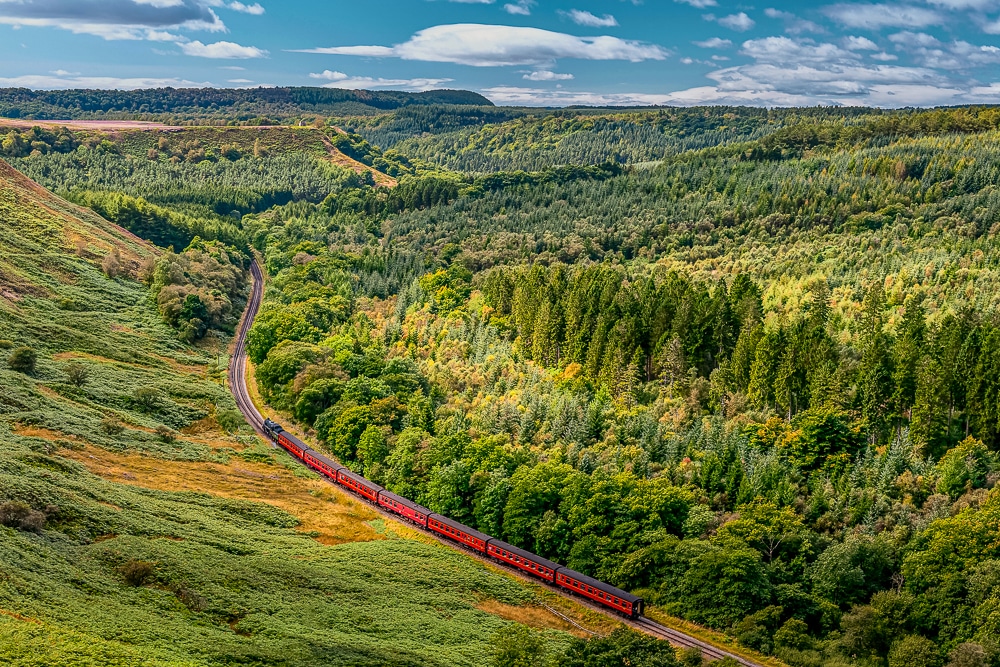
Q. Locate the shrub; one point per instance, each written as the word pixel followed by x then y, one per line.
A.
pixel 166 434
pixel 147 398
pixel 112 425
pixel 137 572
pixel 23 360
pixel 22 517
pixel 229 421
pixel 112 264
pixel 914 651
pixel 77 374
pixel 6 344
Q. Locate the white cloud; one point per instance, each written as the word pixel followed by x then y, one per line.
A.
pixel 876 17
pixel 64 82
pixel 738 22
pixel 341 80
pixel 580 17
pixel 700 4
pixel 546 75
pixel 964 4
pixel 222 50
pixel 115 19
pixel 783 50
pixel 859 44
pixel 714 43
pixel 793 24
pixel 929 51
pixel 519 8
pixel 884 57
pixel 241 81
pixel 255 9
pixel 499 45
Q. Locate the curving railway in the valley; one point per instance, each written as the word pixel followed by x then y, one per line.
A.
pixel 588 591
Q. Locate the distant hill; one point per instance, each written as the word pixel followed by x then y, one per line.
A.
pixel 230 104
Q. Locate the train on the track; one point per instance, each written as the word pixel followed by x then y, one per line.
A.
pixel 552 573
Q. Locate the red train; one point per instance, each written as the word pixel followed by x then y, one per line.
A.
pixel 552 573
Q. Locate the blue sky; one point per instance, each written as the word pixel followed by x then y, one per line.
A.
pixel 535 52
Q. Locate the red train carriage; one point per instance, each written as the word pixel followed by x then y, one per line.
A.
pixel 405 508
pixel 460 533
pixel 295 447
pixel 523 560
pixel 359 484
pixel 322 464
pixel 592 589
pixel 599 592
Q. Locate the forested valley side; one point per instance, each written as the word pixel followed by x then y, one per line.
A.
pixel 749 370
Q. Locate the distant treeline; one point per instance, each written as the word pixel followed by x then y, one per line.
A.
pixel 231 104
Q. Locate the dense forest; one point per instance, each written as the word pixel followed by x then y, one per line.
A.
pixel 223 106
pixel 752 374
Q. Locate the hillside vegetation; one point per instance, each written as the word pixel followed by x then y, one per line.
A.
pixel 221 106
pixel 755 382
pixel 139 525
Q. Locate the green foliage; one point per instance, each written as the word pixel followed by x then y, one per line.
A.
pixel 517 646
pixel 23 360
pixel 201 288
pixel 964 468
pixel 622 648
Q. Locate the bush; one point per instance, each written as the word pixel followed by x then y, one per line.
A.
pixel 229 421
pixel 112 425
pixel 914 651
pixel 518 646
pixel 137 572
pixel 147 398
pixel 166 434
pixel 23 360
pixel 77 374
pixel 6 344
pixel 112 264
pixel 22 517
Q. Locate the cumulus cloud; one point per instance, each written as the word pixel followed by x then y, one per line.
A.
pixel 498 45
pixel 793 24
pixel 859 44
pixel 714 43
pixel 221 50
pixel 255 9
pixel 546 75
pixel 700 4
pixel 580 17
pixel 738 22
pixel 929 51
pixel 876 17
pixel 520 8
pixel 337 79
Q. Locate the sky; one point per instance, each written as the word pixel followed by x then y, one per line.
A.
pixel 522 52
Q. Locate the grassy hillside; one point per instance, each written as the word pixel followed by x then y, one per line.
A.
pixel 133 528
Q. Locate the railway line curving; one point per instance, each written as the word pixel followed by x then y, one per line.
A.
pixel 238 386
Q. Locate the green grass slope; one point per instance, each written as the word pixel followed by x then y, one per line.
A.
pixel 120 569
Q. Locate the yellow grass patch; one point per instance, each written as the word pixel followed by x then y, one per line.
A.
pixel 333 516
pixel 43 433
pixel 532 616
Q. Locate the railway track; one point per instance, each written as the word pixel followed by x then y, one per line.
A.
pixel 238 386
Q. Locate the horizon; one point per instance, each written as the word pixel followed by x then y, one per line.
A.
pixel 924 53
